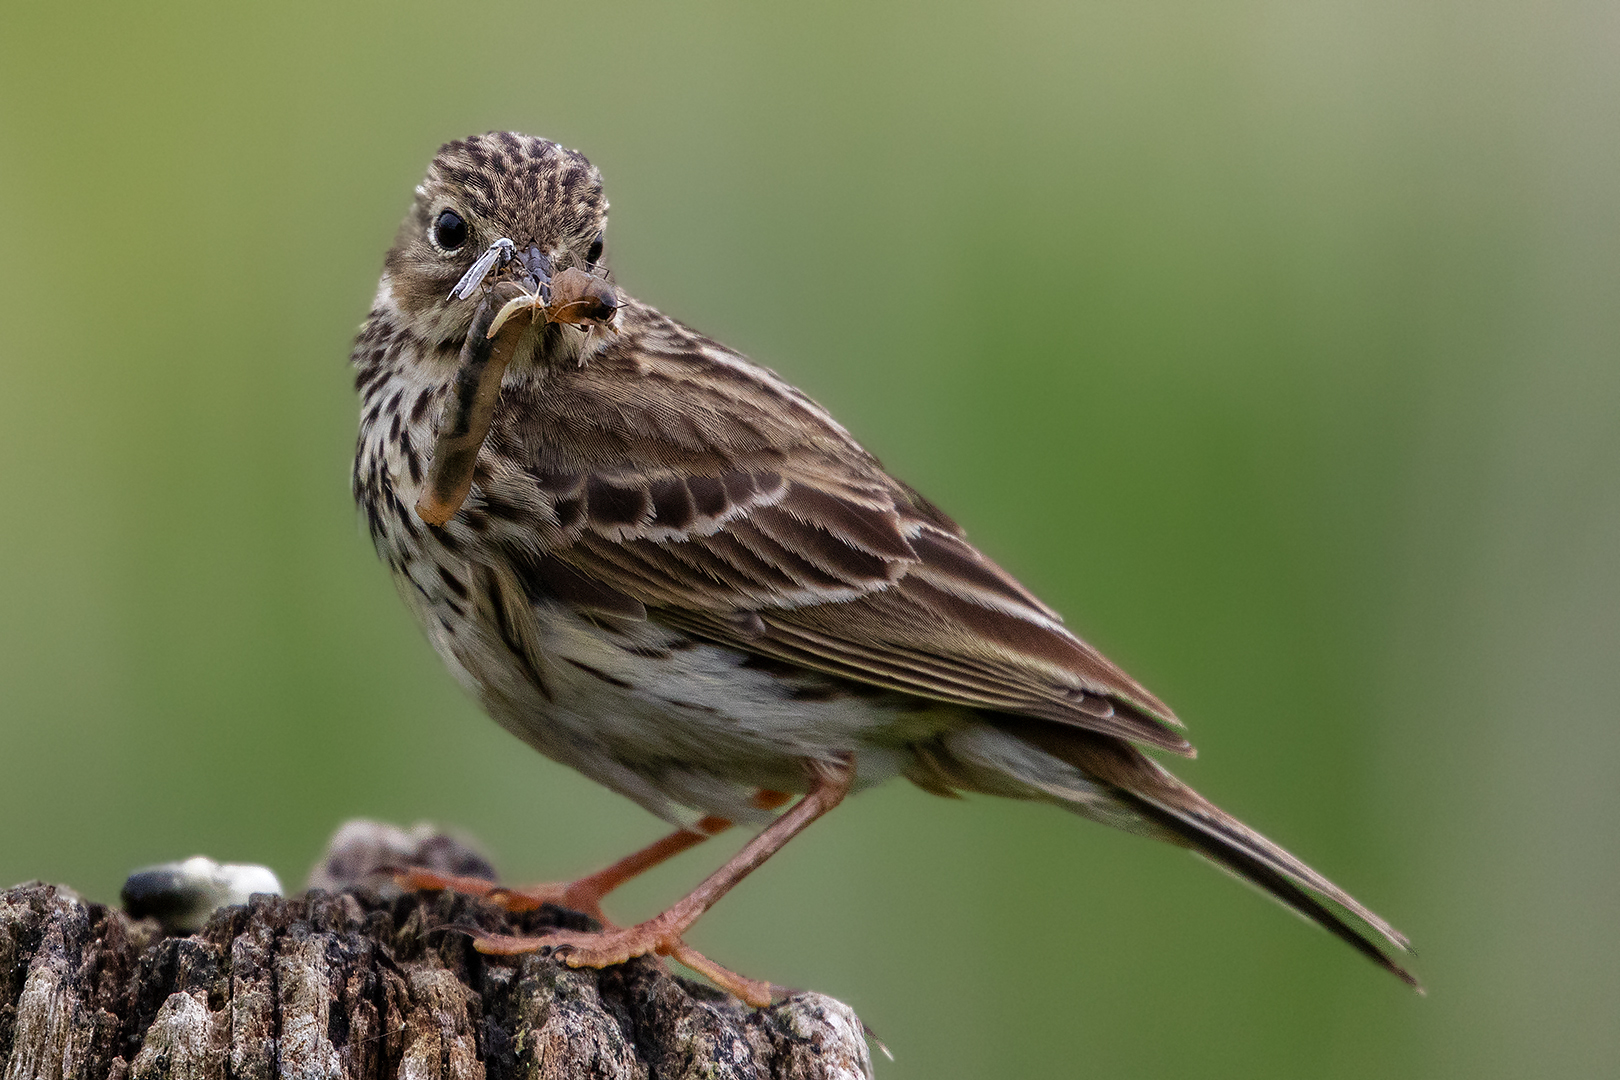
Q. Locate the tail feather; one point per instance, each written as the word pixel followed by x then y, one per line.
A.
pixel 1121 786
pixel 1269 874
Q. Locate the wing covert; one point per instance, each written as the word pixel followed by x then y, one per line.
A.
pixel 776 533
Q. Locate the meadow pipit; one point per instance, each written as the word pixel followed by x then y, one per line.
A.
pixel 657 562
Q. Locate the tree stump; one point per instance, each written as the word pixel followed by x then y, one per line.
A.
pixel 364 985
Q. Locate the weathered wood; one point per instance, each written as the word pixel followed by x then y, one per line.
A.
pixel 364 986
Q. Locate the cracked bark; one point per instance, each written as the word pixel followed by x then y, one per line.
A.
pixel 355 986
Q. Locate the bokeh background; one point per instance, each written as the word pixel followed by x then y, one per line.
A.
pixel 1275 343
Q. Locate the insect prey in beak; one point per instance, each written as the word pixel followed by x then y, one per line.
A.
pixel 499 254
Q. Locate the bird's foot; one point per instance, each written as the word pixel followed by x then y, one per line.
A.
pixel 574 895
pixel 605 948
pixel 583 948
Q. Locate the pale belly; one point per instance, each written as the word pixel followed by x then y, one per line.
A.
pixel 686 728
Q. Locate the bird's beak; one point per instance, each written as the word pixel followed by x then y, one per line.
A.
pixel 535 282
pixel 538 266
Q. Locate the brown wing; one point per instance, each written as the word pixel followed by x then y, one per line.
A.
pixel 702 491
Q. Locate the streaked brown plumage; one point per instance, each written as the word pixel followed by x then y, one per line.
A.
pixel 677 574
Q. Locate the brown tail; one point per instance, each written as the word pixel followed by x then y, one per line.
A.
pixel 1175 812
pixel 1276 877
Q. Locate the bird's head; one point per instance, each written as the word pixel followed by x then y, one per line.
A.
pixel 546 199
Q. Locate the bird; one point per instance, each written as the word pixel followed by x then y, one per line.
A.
pixel 659 563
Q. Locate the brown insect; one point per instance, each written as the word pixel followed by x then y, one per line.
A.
pixel 573 296
pixel 582 299
pixel 471 406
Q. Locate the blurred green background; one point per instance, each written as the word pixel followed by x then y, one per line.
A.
pixel 1277 344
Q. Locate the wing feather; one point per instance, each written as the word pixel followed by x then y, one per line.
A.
pixel 777 534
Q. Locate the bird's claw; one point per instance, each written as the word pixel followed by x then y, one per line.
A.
pixel 587 949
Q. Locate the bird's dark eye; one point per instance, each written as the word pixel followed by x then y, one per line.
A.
pixel 595 250
pixel 449 232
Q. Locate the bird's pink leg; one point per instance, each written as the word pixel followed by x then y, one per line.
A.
pixel 661 935
pixel 582 894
